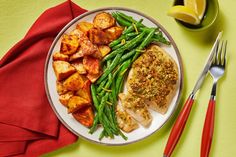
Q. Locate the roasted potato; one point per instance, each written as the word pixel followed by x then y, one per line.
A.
pixel 64 98
pixel 77 55
pixel 60 88
pixel 62 69
pixel 91 65
pixel 69 44
pixel 85 116
pixel 78 64
pixel 78 33
pixel 74 82
pixel 93 77
pixel 76 103
pixel 98 36
pixel 88 48
pixel 104 49
pixel 114 32
pixel 103 20
pixel 84 26
pixel 59 56
pixel 84 92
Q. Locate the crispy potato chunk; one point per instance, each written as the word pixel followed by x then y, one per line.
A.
pixel 64 98
pixel 76 103
pixel 63 69
pixel 93 77
pixel 84 26
pixel 60 88
pixel 85 91
pixel 74 82
pixel 88 48
pixel 98 36
pixel 104 49
pixel 77 55
pixel 85 116
pixel 114 32
pixel 69 44
pixel 59 56
pixel 78 64
pixel 91 64
pixel 103 20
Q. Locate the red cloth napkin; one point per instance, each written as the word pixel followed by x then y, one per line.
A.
pixel 28 125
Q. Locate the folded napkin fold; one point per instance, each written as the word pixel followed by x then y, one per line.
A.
pixel 28 125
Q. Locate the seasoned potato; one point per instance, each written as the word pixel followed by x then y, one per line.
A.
pixel 63 69
pixel 85 91
pixel 60 88
pixel 91 64
pixel 59 56
pixel 78 33
pixel 84 26
pixel 98 36
pixel 104 49
pixel 88 48
pixel 64 98
pixel 93 77
pixel 114 32
pixel 69 44
pixel 74 82
pixel 77 55
pixel 103 20
pixel 78 64
pixel 85 116
pixel 76 102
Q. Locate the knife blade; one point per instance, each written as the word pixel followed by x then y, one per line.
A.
pixel 179 124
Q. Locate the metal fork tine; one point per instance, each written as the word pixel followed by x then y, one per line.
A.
pixel 216 54
pixel 218 59
pixel 224 53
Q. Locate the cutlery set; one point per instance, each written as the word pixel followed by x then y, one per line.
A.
pixel 215 65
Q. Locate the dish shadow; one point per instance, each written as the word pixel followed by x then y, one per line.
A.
pixel 209 35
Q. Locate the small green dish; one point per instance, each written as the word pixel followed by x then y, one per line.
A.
pixel 210 16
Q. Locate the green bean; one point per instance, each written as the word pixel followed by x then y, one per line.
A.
pixel 122 135
pixel 122 22
pixel 127 55
pixel 144 43
pixel 126 17
pixel 102 135
pixel 101 85
pixel 107 86
pixel 94 96
pixel 94 126
pixel 118 46
pixel 124 36
pixel 125 47
pixel 131 27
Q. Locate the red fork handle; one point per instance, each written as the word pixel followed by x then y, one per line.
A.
pixel 208 129
pixel 178 126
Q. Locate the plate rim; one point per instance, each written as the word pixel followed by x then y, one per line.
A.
pixel 63 30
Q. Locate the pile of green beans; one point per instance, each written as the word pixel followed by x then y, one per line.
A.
pixel 125 50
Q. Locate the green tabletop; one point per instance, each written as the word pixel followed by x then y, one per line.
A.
pixel 16 17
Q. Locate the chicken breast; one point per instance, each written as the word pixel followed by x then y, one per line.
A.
pixel 136 107
pixel 125 121
pixel 154 78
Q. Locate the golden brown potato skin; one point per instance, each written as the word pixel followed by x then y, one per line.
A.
pixel 63 69
pixel 74 82
pixel 59 56
pixel 64 98
pixel 69 44
pixel 113 32
pixel 103 20
pixel 76 103
pixel 98 36
pixel 104 49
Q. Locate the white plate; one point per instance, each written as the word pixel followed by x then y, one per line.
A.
pixel 78 129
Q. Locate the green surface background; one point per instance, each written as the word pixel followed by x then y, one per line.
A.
pixel 16 17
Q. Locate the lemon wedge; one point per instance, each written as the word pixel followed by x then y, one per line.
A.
pixel 184 14
pixel 199 6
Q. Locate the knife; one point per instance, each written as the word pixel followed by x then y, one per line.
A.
pixel 184 114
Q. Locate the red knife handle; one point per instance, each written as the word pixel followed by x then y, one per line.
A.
pixel 178 126
pixel 208 129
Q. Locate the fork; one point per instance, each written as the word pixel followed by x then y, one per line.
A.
pixel 216 70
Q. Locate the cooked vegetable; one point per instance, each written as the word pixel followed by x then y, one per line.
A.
pixel 64 98
pixel 113 32
pixel 76 103
pixel 85 116
pixel 84 92
pixel 103 20
pixel 104 49
pixel 69 44
pixel 98 36
pixel 91 64
pixel 84 26
pixel 74 82
pixel 59 56
pixel 62 69
pixel 78 64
